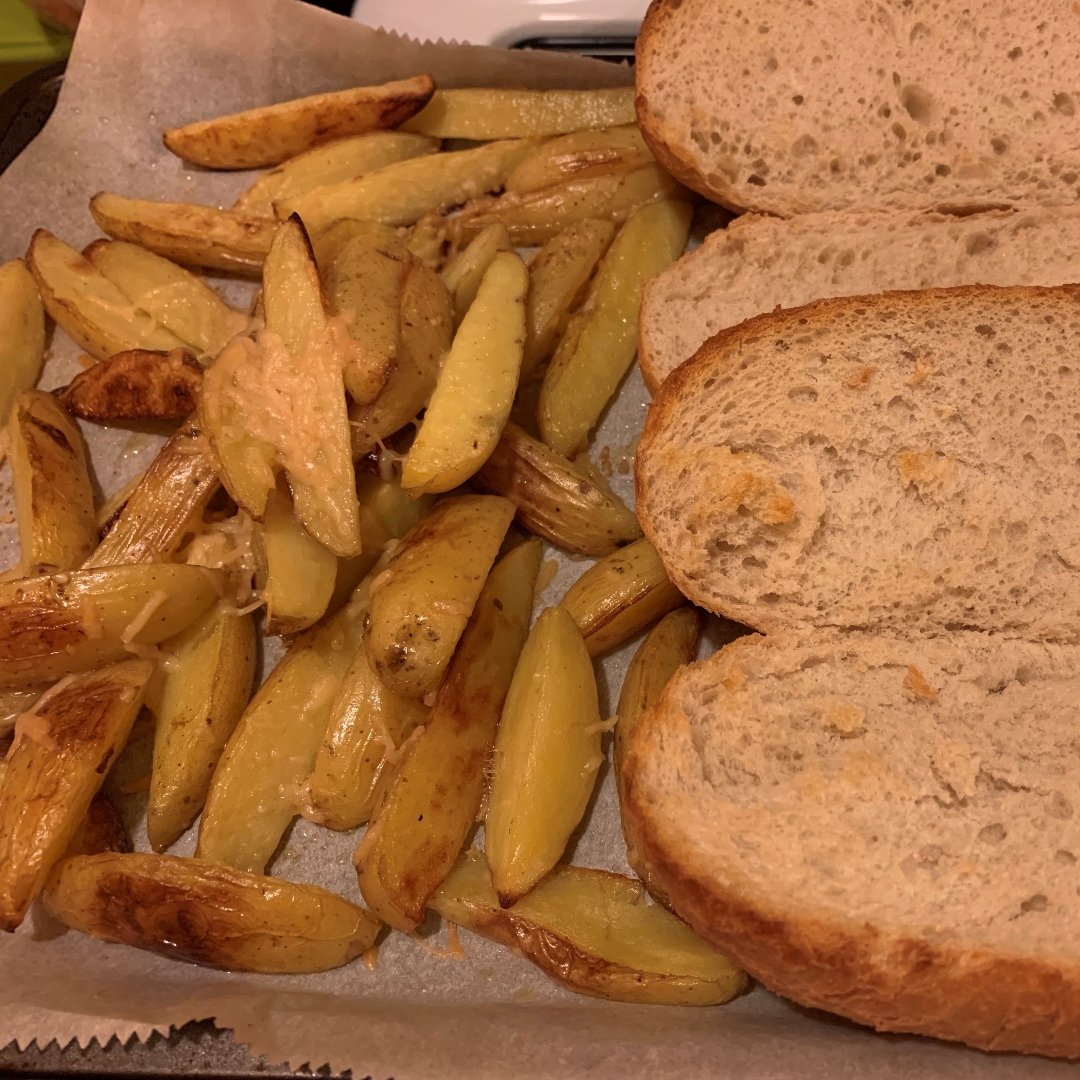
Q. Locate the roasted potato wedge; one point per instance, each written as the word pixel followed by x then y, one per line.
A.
pixel 400 194
pixel 181 302
pixel 62 752
pixel 579 155
pixel 56 624
pixel 274 133
pixel 135 385
pixel 481 113
pixel 197 704
pixel 190 909
pixel 164 506
pixel 621 595
pixel 464 272
pixel 299 574
pixel 328 243
pixel 22 332
pixel 547 754
pixel 194 235
pixel 555 498
pixel 533 217
pixel 593 932
pixel 54 502
pixel 422 601
pixel 475 391
pixel 558 275
pixel 101 830
pixel 87 306
pixel 591 361
pixel 109 510
pixel 257 786
pixel 368 723
pixel 426 325
pixel 435 791
pixel 333 163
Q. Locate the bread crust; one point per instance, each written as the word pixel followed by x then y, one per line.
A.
pixel 889 981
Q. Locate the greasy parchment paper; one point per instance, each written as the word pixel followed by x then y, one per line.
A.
pixel 141 65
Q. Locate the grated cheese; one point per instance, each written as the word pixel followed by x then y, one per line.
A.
pixel 145 614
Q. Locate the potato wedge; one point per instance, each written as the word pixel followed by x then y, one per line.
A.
pixel 422 601
pixel 135 385
pixel 481 113
pixel 101 830
pixel 257 787
pixel 181 302
pixel 165 505
pixel 300 573
pixel 619 596
pixel 591 362
pixel 536 216
pixel 464 272
pixel 22 332
pixel 475 391
pixel 333 163
pixel 194 235
pixel 558 275
pixel 593 932
pixel 368 723
pixel 581 154
pixel 56 624
pixel 363 281
pixel 554 497
pixel 72 735
pixel 87 306
pixel 434 795
pixel 547 755
pixel 328 243
pixel 54 502
pixel 201 696
pixel 212 915
pixel 400 194
pixel 426 326
pixel 274 133
pixel 429 239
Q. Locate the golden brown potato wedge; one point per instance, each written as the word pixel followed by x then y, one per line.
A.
pixel 593 932
pixel 591 361
pixel 135 385
pixel 87 306
pixel 78 620
pixel 558 275
pixel 328 243
pixel 555 498
pixel 425 329
pixel 400 194
pixel 54 502
pixel 547 755
pixel 464 272
pixel 435 791
pixel 274 133
pixel 109 510
pixel 333 163
pixel 63 750
pixel 181 302
pixel 164 506
pixel 257 787
pixel 199 700
pixel 190 909
pixel 578 155
pixel 475 391
pixel 101 830
pixel 536 216
pixel 481 113
pixel 186 233
pixel 22 332
pixel 620 595
pixel 422 601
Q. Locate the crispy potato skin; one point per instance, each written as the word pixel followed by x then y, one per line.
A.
pixel 135 385
pixel 102 829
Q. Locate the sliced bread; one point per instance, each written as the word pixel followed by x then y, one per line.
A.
pixel 759 263
pixel 906 461
pixel 880 826
pixel 797 106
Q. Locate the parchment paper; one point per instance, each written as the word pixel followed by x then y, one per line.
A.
pixel 141 65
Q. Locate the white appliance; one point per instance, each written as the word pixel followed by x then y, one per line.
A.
pixel 592 27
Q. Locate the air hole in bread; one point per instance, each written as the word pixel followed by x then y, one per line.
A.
pixel 999 145
pixel 1065 858
pixel 918 103
pixel 993 833
pixel 1057 806
pixel 1063 103
pixel 1038 902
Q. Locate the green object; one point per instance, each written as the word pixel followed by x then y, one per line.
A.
pixel 26 43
